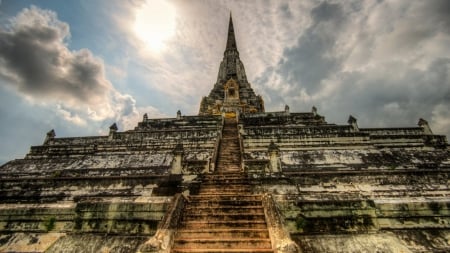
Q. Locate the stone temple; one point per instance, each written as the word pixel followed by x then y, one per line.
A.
pixel 234 178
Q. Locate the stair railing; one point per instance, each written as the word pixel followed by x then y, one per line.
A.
pixel 241 143
pixel 280 238
pixel 163 239
pixel 213 161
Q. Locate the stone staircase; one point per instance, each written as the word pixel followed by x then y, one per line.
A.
pixel 225 216
pixel 229 159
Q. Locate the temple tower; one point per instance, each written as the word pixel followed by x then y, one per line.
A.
pixel 232 92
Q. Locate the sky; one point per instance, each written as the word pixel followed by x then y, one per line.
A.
pixel 79 66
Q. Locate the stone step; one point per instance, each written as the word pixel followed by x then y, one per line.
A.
pixel 227 191
pixel 232 156
pixel 220 183
pixel 234 181
pixel 230 170
pixel 215 191
pixel 223 224
pixel 226 210
pixel 223 217
pixel 215 204
pixel 227 165
pixel 211 243
pixel 228 161
pixel 224 250
pixel 223 233
pixel 226 197
pixel 224 176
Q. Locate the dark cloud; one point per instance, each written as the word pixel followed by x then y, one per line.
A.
pixel 326 11
pixel 311 61
pixel 388 63
pixel 35 59
pixel 285 10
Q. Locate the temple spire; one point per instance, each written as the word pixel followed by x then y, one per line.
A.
pixel 232 92
pixel 231 41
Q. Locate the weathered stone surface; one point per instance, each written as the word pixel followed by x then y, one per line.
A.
pixel 84 243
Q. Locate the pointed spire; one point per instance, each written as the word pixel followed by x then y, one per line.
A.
pixel 231 41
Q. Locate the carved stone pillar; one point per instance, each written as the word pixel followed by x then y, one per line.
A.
pixel 274 154
pixel 177 160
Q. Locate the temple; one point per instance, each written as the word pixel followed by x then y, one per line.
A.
pixel 233 178
pixel 232 92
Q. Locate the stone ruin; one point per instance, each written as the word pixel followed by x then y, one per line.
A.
pixel 232 179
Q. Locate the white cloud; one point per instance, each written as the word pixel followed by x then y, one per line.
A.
pixel 35 61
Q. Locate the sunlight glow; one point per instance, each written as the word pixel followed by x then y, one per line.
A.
pixel 155 23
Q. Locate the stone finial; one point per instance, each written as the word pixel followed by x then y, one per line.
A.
pixel 178 114
pixel 145 117
pixel 113 128
pixel 424 124
pixel 286 108
pixel 273 147
pixel 50 135
pixel 178 149
pixel 314 110
pixel 353 122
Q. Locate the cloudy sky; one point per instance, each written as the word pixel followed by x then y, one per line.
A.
pixel 79 66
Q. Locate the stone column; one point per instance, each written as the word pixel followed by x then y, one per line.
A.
pixel 50 135
pixel 424 125
pixel 177 160
pixel 112 130
pixel 274 152
pixel 352 121
pixel 314 111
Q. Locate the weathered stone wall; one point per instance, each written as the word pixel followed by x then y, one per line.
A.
pixel 344 189
pixel 119 185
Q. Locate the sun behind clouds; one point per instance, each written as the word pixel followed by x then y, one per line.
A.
pixel 155 23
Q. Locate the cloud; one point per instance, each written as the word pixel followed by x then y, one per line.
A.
pixel 387 62
pixel 69 116
pixel 36 62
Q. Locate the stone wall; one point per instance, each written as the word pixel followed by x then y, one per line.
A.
pixel 118 185
pixel 344 189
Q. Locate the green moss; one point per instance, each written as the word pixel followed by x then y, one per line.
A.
pixel 56 173
pixel 435 207
pixel 49 223
pixel 78 223
pixel 300 222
